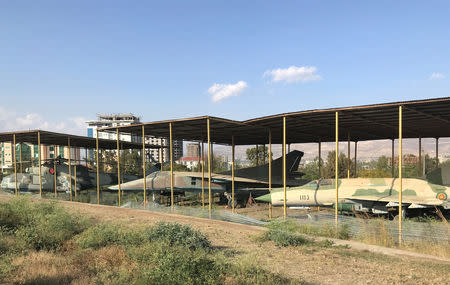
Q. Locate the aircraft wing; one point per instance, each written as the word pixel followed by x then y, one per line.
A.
pixel 218 178
pixel 392 199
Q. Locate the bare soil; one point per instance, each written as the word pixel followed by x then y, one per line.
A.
pixel 359 264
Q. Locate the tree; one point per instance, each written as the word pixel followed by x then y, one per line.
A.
pixel 343 161
pixel 311 170
pixel 257 156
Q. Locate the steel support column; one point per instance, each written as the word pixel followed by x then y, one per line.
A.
pixel 284 170
pixel 15 165
pixel 39 163
pixel 118 166
pixel 55 173
pixel 419 174
pixel 257 155
pixel 20 158
pixel 270 172
pixel 320 160
pixel 98 168
pixel 348 156
pixel 393 160
pixel 232 173
pixel 336 170
pixel 70 169
pixel 203 174
pixel 209 166
pixel 356 157
pixel 171 164
pixel 400 173
pixel 143 165
pixel 75 174
pixel 437 152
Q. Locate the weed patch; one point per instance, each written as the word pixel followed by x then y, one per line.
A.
pixel 177 234
pixel 38 226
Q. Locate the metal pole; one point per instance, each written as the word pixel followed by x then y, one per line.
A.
pixel 209 166
pixel 437 152
pixel 20 158
pixel 232 173
pixel 54 170
pixel 143 165
pixel 400 174
pixel 264 154
pixel 171 165
pixel 420 158
pixel 75 174
pixel 270 172
pixel 98 168
pixel 320 159
pixel 70 169
pixel 203 175
pixel 284 169
pixel 39 163
pixel 257 156
pixel 356 156
pixel 15 165
pixel 336 170
pixel 348 157
pixel 118 164
pixel 393 160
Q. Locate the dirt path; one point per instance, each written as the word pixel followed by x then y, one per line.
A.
pixel 361 264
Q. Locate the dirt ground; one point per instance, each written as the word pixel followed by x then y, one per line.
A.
pixel 360 264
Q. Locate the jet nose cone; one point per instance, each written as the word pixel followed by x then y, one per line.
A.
pixel 114 187
pixel 264 198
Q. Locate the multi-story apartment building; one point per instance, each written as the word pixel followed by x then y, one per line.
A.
pixel 29 154
pixel 115 120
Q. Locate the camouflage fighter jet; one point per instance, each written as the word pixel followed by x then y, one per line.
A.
pixel 252 180
pixel 370 195
pixel 85 178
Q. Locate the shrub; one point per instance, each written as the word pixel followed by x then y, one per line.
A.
pixel 109 234
pixel 177 264
pixel 247 271
pixel 43 225
pixel 284 238
pixel 177 234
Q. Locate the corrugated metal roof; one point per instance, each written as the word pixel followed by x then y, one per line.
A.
pixel 421 118
pixel 51 138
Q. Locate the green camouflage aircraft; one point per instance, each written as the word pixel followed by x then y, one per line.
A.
pixel 370 195
pixel 251 180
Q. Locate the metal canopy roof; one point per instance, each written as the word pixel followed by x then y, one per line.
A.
pixel 51 138
pixel 421 118
pixel 195 129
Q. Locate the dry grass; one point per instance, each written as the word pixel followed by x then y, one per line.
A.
pixel 316 265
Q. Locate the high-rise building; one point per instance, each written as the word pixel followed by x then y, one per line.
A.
pixel 115 120
pixel 193 150
pixel 29 154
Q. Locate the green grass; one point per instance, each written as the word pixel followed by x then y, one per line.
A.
pixel 326 230
pixel 38 226
pixel 107 253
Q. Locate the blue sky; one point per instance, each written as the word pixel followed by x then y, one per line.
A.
pixel 62 62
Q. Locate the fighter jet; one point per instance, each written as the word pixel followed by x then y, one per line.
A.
pixel 369 195
pixel 85 178
pixel 252 180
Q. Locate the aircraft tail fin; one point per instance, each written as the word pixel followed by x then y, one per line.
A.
pixel 262 172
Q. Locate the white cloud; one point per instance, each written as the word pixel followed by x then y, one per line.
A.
pixel 293 74
pixel 436 75
pixel 11 121
pixel 222 91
